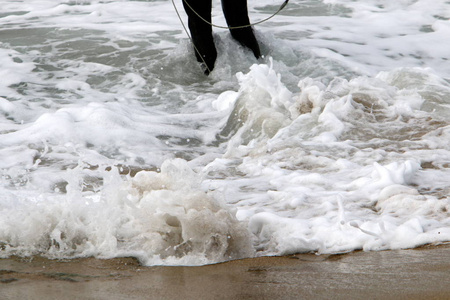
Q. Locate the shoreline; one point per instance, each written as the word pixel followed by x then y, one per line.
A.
pixel 413 274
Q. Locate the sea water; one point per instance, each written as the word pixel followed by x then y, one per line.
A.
pixel 114 143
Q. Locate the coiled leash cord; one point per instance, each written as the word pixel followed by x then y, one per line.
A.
pixel 218 26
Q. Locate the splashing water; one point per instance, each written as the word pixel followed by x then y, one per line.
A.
pixel 113 143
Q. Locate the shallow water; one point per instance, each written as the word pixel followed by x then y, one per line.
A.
pixel 113 142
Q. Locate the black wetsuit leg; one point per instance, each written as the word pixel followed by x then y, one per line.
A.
pixel 236 14
pixel 201 32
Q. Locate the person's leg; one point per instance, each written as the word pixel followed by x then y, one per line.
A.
pixel 236 14
pixel 201 32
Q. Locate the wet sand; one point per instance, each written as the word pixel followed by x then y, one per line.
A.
pixel 422 273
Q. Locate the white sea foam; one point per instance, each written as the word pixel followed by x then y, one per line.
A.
pixel 159 217
pixel 113 142
pixel 344 172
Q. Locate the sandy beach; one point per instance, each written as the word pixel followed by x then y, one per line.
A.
pixel 421 273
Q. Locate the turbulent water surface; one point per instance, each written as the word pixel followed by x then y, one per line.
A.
pixel 113 142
